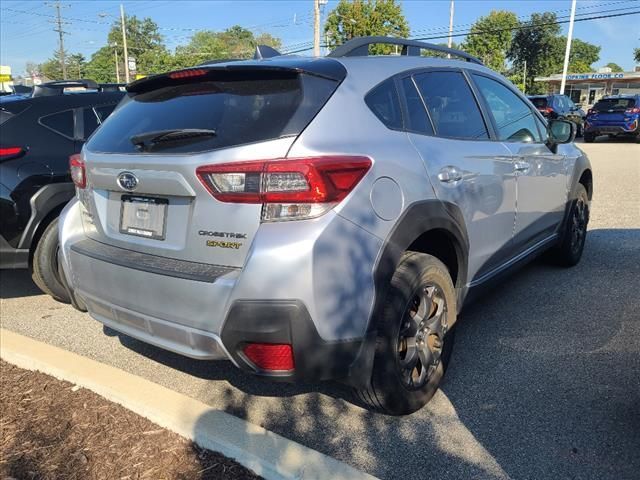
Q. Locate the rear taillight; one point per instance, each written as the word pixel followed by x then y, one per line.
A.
pixel 629 111
pixel 289 189
pixel 190 73
pixel 78 173
pixel 7 153
pixel 269 356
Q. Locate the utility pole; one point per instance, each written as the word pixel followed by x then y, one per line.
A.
pixel 316 28
pixel 567 52
pixel 58 21
pixel 124 45
pixel 524 78
pixel 450 42
pixel 115 51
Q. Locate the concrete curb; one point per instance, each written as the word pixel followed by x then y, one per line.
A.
pixel 266 453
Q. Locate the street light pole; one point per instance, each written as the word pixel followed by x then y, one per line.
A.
pixel 568 49
pixel 115 50
pixel 124 44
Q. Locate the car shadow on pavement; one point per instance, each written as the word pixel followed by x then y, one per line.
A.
pixel 543 383
pixel 16 284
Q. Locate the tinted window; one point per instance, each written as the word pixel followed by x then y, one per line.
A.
pixel 539 102
pixel 451 105
pixel 616 104
pixel 514 119
pixel 384 103
pixel 90 121
pixel 542 128
pixel 417 120
pixel 61 123
pixel 240 108
pixel 103 111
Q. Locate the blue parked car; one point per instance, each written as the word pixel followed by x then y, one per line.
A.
pixel 615 116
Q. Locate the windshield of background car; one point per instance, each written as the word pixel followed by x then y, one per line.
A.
pixel 615 104
pixel 252 107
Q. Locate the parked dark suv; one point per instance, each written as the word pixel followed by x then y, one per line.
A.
pixel 560 107
pixel 38 133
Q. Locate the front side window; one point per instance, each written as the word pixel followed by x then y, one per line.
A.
pixel 452 106
pixel 514 120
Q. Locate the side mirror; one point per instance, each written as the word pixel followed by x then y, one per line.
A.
pixel 560 131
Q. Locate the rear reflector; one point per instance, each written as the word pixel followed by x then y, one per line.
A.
pixel 7 153
pixel 289 188
pixel 78 173
pixel 269 356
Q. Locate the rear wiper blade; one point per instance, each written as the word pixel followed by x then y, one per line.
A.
pixel 149 139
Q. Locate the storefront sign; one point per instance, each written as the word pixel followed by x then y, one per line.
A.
pixel 595 76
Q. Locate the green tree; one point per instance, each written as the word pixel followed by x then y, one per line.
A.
pixel 490 38
pixel 614 67
pixel 235 42
pixel 144 43
pixel 535 43
pixel 636 54
pixel 52 69
pixel 364 18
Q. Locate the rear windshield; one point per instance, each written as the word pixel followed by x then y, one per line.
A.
pixel 616 104
pixel 539 102
pixel 246 109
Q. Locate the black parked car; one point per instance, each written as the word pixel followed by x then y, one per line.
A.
pixel 560 107
pixel 39 131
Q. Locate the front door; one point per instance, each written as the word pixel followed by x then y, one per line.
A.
pixel 540 174
pixel 465 167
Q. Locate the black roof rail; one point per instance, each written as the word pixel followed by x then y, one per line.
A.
pixel 57 88
pixel 359 47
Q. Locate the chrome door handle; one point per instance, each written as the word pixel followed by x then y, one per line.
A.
pixel 520 166
pixel 450 175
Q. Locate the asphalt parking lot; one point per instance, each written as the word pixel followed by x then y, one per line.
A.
pixel 544 380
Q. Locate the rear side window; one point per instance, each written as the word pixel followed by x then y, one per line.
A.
pixel 452 106
pixel 417 119
pixel 513 118
pixel 539 102
pixel 62 123
pixel 385 104
pixel 103 111
pixel 90 121
pixel 615 104
pixel 239 108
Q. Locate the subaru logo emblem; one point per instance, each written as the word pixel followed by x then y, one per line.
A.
pixel 127 181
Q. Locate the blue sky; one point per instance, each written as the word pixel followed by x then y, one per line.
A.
pixel 30 37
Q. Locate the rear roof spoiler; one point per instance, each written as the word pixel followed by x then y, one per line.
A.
pixel 58 87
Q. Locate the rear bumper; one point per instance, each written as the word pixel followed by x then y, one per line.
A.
pixel 212 312
pixel 632 128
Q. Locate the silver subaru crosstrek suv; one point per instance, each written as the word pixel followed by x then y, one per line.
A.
pixel 318 218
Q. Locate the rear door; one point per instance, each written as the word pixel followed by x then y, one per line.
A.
pixel 465 166
pixel 541 174
pixel 143 193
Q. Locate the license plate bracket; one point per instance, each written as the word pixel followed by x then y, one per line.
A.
pixel 143 216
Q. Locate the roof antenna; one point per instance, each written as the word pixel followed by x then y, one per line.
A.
pixel 265 51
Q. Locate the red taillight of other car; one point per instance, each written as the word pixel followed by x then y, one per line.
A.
pixel 78 172
pixel 289 189
pixel 629 111
pixel 7 153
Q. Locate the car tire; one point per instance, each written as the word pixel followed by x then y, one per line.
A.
pixel 589 137
pixel 415 326
pixel 569 252
pixel 45 264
